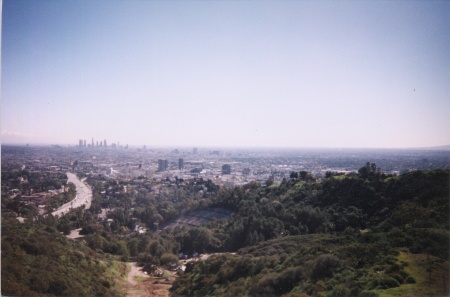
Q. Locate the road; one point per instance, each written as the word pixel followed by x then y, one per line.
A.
pixel 83 197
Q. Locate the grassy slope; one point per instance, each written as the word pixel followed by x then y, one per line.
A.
pixel 430 273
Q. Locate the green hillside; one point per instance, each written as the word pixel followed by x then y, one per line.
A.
pixel 39 261
pixel 365 234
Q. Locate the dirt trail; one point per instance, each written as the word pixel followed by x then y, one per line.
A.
pixel 134 272
pixel 140 284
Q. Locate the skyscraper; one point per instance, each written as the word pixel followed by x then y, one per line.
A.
pixel 180 163
pixel 163 165
pixel 226 169
pixel 105 143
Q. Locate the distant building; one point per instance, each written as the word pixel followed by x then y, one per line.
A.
pixel 105 143
pixel 246 171
pixel 80 143
pixel 226 169
pixel 92 142
pixel 180 163
pixel 163 165
pixel 194 151
pixel 84 143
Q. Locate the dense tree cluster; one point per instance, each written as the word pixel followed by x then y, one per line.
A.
pixel 365 219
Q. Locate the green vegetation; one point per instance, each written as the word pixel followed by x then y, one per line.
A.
pixel 338 237
pixel 428 276
pixel 38 261
pixel 357 234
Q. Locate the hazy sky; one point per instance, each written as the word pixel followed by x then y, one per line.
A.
pixel 227 73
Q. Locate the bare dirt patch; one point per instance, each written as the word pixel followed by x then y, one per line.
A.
pixel 140 284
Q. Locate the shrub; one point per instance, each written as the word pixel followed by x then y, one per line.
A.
pixel 167 258
pixel 323 266
pixel 339 291
pixel 368 294
pixel 384 282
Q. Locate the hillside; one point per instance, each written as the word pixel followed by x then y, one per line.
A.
pixel 358 235
pixel 38 261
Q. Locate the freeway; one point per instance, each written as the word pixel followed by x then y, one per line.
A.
pixel 83 197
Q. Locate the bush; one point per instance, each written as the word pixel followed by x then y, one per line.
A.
pixel 339 291
pixel 323 266
pixel 167 258
pixel 368 294
pixel 384 282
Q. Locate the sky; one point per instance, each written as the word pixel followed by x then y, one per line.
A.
pixel 338 74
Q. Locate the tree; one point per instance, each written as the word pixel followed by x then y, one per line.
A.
pixel 303 175
pixel 168 258
pixel 293 175
pixel 369 170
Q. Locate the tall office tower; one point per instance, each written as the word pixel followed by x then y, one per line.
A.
pixel 180 163
pixel 97 143
pixel 101 143
pixel 226 169
pixel 85 143
pixel 105 143
pixel 80 142
pixel 92 143
pixel 163 165
pixel 194 151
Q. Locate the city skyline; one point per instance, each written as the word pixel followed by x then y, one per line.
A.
pixel 226 74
